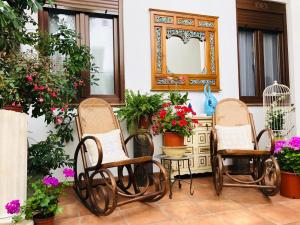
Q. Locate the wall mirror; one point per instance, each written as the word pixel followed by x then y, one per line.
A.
pixel 184 51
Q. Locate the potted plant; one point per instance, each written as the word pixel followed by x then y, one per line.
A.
pixel 42 206
pixel 288 157
pixel 174 121
pixel 139 109
pixel 275 120
pixel 45 156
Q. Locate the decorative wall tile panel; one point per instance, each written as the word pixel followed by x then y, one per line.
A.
pixel 185 21
pixel 185 35
pixel 163 19
pixel 158 50
pixel 206 24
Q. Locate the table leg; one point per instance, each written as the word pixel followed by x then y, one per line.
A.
pixel 178 169
pixel 191 178
pixel 170 179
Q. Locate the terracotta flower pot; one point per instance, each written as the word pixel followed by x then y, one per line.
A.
pixel 13 108
pixel 171 139
pixel 290 185
pixel 43 221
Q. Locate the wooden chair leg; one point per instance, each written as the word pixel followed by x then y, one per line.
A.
pixel 272 176
pixel 218 173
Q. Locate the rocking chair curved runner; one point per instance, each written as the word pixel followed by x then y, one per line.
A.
pixel 94 182
pixel 233 136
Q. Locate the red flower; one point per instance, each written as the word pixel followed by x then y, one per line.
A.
pixel 174 122
pixel 194 120
pixel 52 109
pixel 53 94
pixel 183 123
pixel 166 105
pixel 41 88
pixel 36 87
pixel 162 114
pixel 194 113
pixel 29 78
pixel 62 109
pixel 177 107
pixel 75 85
pixel 187 109
pixel 180 114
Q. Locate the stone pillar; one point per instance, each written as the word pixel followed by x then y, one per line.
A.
pixel 13 160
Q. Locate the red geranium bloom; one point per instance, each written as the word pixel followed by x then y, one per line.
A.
pixel 194 120
pixel 194 113
pixel 180 114
pixel 183 123
pixel 177 107
pixel 166 105
pixel 162 114
pixel 174 122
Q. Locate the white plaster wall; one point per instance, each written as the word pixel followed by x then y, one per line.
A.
pixel 138 53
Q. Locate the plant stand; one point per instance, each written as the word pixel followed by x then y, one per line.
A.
pixel 142 148
pixel 13 160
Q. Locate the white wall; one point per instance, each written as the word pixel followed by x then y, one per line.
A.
pixel 138 52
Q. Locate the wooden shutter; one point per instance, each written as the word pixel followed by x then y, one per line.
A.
pixel 109 6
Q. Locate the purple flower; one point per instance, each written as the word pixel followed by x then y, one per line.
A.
pixel 68 172
pixel 50 181
pixel 294 143
pixel 13 207
pixel 279 145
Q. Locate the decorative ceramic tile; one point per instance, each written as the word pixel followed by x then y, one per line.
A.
pixel 202 82
pixel 163 19
pixel 212 52
pixel 166 81
pixel 185 35
pixel 158 49
pixel 206 24
pixel 184 21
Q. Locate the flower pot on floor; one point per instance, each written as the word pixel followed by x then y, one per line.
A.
pixel 171 139
pixel 44 221
pixel 290 185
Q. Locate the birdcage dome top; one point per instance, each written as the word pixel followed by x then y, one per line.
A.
pixel 276 89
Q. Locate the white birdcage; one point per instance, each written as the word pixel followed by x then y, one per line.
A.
pixel 279 112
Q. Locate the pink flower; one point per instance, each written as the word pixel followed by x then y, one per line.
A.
pixel 50 181
pixel 81 82
pixel 62 109
pixel 41 88
pixel 13 104
pixel 58 120
pixel 194 113
pixel 52 109
pixel 75 85
pixel 68 172
pixel 13 207
pixel 41 100
pixel 36 87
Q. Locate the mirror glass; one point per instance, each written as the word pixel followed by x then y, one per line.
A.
pixel 185 58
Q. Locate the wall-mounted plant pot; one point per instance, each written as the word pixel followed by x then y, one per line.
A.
pixel 171 139
pixel 13 108
pixel 290 185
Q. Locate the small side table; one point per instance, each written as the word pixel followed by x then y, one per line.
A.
pixel 169 160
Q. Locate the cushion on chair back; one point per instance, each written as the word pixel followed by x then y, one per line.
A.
pixel 234 137
pixel 111 147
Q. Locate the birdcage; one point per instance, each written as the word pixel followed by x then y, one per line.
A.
pixel 279 112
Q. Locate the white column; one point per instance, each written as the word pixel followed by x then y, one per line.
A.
pixel 13 160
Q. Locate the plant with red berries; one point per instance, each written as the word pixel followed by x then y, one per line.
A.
pixel 174 118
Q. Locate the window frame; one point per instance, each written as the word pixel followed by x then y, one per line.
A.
pixel 269 9
pixel 82 27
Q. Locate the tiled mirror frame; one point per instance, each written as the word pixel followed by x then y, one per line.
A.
pixel 185 25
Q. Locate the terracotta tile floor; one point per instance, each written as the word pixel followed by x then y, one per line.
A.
pixel 234 206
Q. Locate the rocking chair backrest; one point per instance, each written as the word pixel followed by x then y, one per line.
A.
pixel 233 112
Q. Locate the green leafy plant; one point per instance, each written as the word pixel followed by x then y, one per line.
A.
pixel 288 155
pixel 44 201
pixel 275 119
pixel 174 118
pixel 138 106
pixel 178 99
pixel 47 155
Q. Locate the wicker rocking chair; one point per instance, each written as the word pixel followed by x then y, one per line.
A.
pixel 94 183
pixel 232 116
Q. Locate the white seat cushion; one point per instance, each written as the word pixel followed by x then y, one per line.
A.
pixel 111 147
pixel 236 137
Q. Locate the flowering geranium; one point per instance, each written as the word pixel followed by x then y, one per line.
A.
pixel 44 201
pixel 288 154
pixel 174 118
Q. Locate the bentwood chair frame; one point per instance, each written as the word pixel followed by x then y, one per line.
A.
pixel 102 195
pixel 264 168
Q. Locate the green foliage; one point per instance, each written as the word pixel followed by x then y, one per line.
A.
pixel 275 119
pixel 137 106
pixel 47 155
pixel 177 99
pixel 289 160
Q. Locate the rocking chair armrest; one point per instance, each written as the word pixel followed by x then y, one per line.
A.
pixel 213 142
pixel 271 136
pixel 146 134
pixel 99 147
